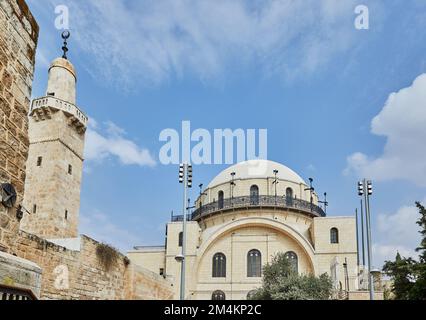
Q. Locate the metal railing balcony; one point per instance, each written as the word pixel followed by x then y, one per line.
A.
pixel 280 202
pixel 50 101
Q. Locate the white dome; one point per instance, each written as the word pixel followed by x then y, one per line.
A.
pixel 254 169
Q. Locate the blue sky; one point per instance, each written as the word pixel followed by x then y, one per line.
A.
pixel 299 69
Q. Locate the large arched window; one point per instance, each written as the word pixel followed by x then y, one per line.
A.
pixel 334 235
pixel 254 263
pixel 180 239
pixel 220 199
pixel 289 196
pixel 219 265
pixel 254 194
pixel 218 295
pixel 292 258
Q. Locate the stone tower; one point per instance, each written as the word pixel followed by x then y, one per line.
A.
pixel 55 158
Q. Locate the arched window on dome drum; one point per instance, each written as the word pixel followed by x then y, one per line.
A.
pixel 254 264
pixel 180 239
pixel 292 258
pixel 254 195
pixel 289 196
pixel 218 295
pixel 220 199
pixel 334 235
pixel 219 265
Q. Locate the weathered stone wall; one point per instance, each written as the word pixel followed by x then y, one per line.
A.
pixel 18 41
pixel 79 274
pixel 20 273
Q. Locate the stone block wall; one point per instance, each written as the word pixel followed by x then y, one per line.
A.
pixel 79 274
pixel 18 42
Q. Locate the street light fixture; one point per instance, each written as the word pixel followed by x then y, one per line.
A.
pixel 311 190
pixel 275 184
pixel 362 186
pixel 325 202
pixel 185 177
pixel 232 183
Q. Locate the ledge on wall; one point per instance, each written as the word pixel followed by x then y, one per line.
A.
pixel 73 244
pixel 19 272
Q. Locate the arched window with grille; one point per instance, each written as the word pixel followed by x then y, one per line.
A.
pixel 334 235
pixel 292 258
pixel 254 263
pixel 220 199
pixel 180 239
pixel 254 194
pixel 218 295
pixel 219 265
pixel 289 196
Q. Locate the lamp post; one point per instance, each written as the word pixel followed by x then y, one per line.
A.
pixel 325 202
pixel 185 177
pixel 362 185
pixel 311 190
pixel 201 194
pixel 275 184
pixel 232 183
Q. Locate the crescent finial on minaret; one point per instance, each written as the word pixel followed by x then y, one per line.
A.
pixel 65 35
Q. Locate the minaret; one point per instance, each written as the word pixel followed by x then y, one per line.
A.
pixel 55 157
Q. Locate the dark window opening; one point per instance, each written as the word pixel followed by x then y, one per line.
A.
pixel 219 266
pixel 35 208
pixel 254 195
pixel 292 258
pixel 66 214
pixel 39 160
pixel 180 239
pixel 69 169
pixel 289 196
pixel 220 199
pixel 334 235
pixel 218 295
pixel 254 264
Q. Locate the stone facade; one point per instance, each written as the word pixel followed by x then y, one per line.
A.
pixel 259 224
pixel 77 272
pixel 55 159
pixel 19 272
pixel 18 41
pixel 66 266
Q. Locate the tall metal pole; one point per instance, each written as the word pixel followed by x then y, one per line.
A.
pixel 182 273
pixel 370 259
pixel 367 218
pixel 357 237
pixel 275 185
pixel 362 235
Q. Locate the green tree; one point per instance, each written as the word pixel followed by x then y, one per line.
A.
pixel 408 275
pixel 418 291
pixel 281 282
pixel 402 273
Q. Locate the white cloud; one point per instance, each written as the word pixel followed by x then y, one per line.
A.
pixel 112 143
pixel 397 232
pixel 98 226
pixel 152 41
pixel 382 253
pixel 403 122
